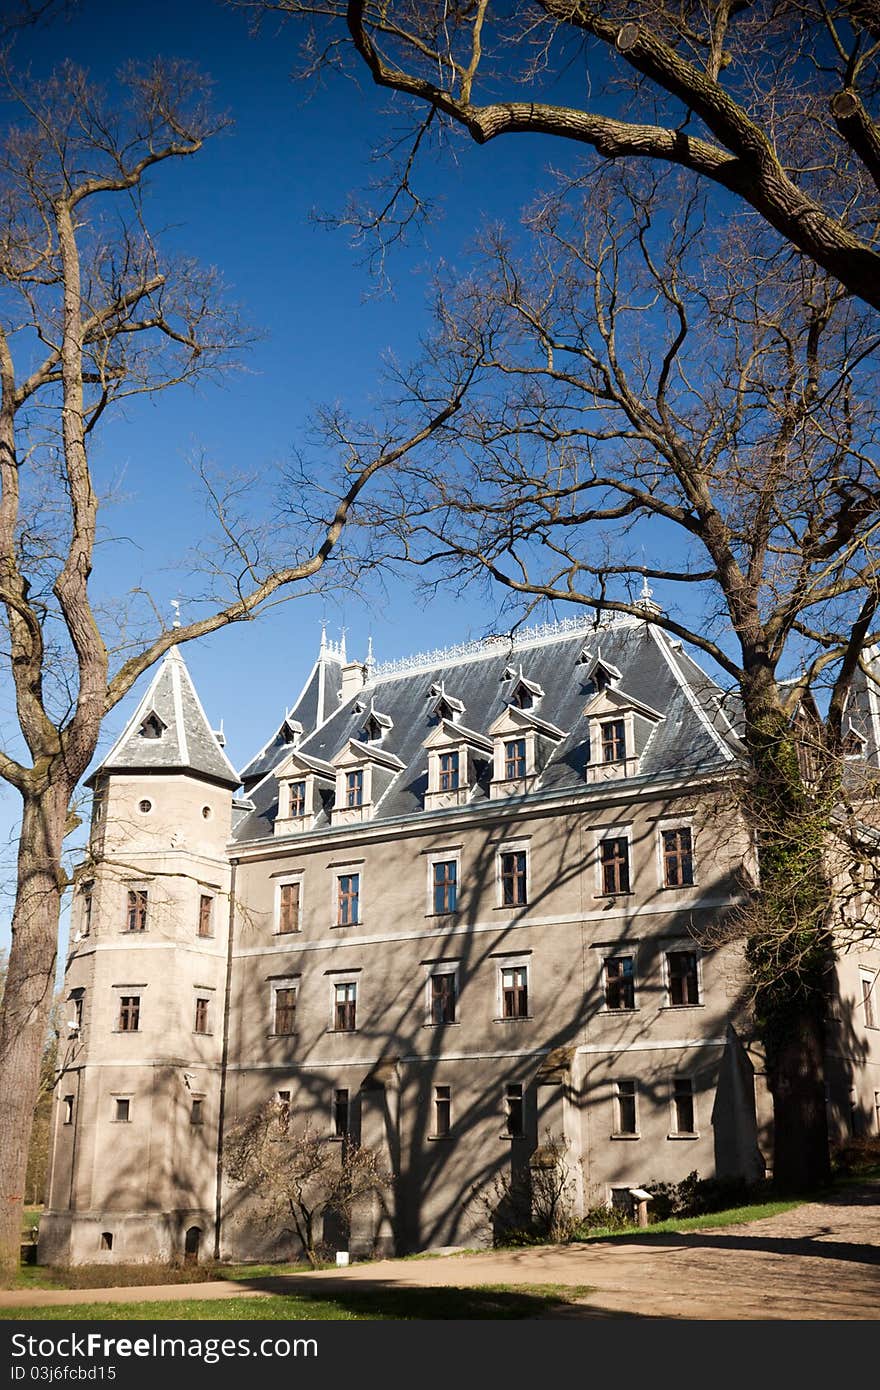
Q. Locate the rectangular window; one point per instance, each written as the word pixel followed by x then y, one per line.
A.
pixel 297 798
pixel 285 1009
pixel 129 1013
pixel 76 1003
pixel 625 1116
pixel 206 910
pixel 867 984
pixel 345 1016
pixel 513 878
pixel 282 1112
pixel 514 991
pixel 445 885
pixel 442 1111
pixel 678 858
pixel 288 907
pixel 123 1109
pixel 614 741
pixel 201 1023
pixel 86 915
pixel 340 1114
pixel 515 758
pixel 449 772
pixel 354 788
pixel 137 909
pixel 683 1105
pixel 68 1110
pixel 684 987
pixel 614 856
pixel 620 982
pixel 197 1110
pixel 514 1121
pixel 348 887
pixel 443 997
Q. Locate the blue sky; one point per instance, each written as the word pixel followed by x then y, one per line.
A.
pixel 244 205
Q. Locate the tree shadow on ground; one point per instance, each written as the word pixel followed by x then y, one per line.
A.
pixel 378 1299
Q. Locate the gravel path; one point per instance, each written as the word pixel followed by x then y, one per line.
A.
pixel 820 1261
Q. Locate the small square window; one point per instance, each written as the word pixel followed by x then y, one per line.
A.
pixel 122 1113
pixel 683 976
pixel 348 887
pixel 345 1007
pixel 513 878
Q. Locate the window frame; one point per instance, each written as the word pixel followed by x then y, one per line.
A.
pixel 296 805
pixel 197 1117
pixel 336 1004
pixel 434 970
pixel 674 1131
pixel 682 948
pixel 514 964
pixel 135 908
pixel 508 1132
pixel 663 828
pixel 450 776
pixel 438 1132
pixel 68 1103
pixel 518 761
pixel 121 1100
pixel 617 1128
pixel 290 880
pixel 354 788
pixel 87 902
pixel 621 952
pixel 338 897
pixel 123 1013
pixel 208 898
pixel 442 857
pixel 277 985
pixel 867 990
pixel 202 1015
pixel 337 1132
pixel 508 848
pixel 617 741
pixel 621 835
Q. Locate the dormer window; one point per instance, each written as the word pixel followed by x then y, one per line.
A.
pixel 525 694
pixel 448 772
pixel 290 731
pixel 152 727
pixel 599 674
pixel 375 727
pixel 613 741
pixel 515 758
pixel 508 673
pixel 302 781
pixel 354 788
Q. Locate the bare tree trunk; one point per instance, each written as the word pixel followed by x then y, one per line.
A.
pixel 27 1001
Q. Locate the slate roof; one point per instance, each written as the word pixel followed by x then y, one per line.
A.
pixel 187 742
pixel 691 736
pixel 318 698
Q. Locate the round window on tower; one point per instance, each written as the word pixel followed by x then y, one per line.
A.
pixel 145 807
pixel 207 812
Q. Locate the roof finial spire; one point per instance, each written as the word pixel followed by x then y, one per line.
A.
pixel 323 636
pixel 342 647
pixel 647 591
pixel 370 662
pixel 175 604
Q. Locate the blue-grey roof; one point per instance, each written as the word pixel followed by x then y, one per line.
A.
pixel 186 741
pixel 692 735
pixel 318 698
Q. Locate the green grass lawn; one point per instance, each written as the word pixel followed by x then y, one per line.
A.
pixel 493 1301
pixel 734 1216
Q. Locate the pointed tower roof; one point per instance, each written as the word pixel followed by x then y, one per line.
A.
pixel 316 702
pixel 169 732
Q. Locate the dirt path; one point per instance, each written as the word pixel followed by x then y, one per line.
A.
pixel 820 1261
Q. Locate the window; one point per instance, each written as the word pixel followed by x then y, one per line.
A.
pixel 285 1009
pixel 197 1110
pixel 122 1112
pixel 106 1240
pixel 514 1119
pixel 201 1023
pixel 443 997
pixel 347 896
pixel 76 1003
pixel 86 914
pixel 340 1114
pixel 354 788
pixel 620 982
pixel 513 878
pixel 684 986
pixel 614 858
pixel 145 807
pixel 449 772
pixel 152 727
pixel 514 991
pixel 515 758
pixel 625 1114
pixel 206 909
pixel 282 1105
pixel 866 982
pixel 137 909
pixel 678 859
pixel 288 908
pixel 345 1013
pixel 129 1013
pixel 445 885
pixel 68 1110
pixel 442 1111
pixel 613 741
pixel 683 1119
pixel 297 798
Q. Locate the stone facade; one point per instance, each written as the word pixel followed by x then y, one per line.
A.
pixel 467 908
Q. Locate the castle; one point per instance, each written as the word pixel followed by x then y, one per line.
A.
pixel 456 905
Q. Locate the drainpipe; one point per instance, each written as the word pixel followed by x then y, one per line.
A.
pixel 224 1060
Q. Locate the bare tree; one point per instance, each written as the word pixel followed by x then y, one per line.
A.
pixel 773 102
pixel 91 314
pixel 299 1176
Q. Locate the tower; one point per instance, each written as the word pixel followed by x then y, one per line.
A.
pixel 134 1133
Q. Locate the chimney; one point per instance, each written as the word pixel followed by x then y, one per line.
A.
pixel 354 676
